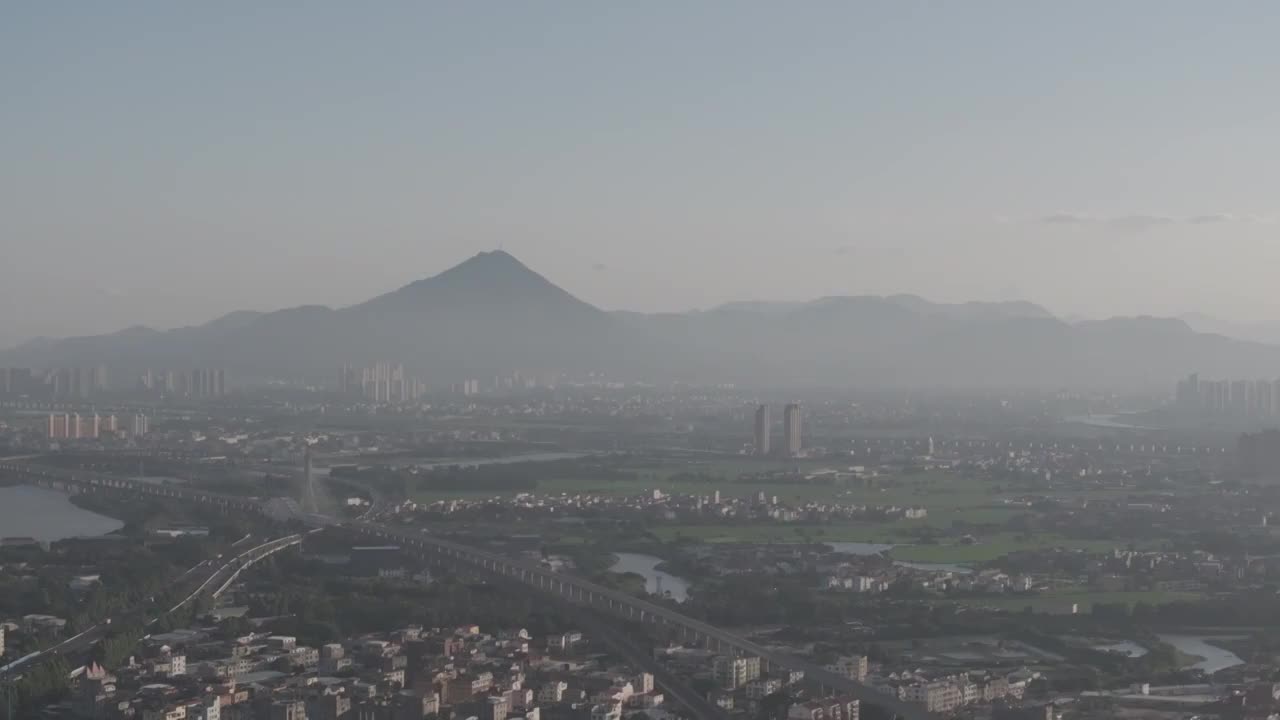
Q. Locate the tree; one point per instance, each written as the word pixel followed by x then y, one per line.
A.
pixel 774 706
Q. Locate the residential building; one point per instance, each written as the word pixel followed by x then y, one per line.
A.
pixel 791 429
pixel 167 711
pixel 762 687
pixel 735 672
pixel 328 706
pixel 854 668
pixel 552 692
pixel 59 426
pixel 606 712
pixel 940 696
pixel 288 710
pixel 762 430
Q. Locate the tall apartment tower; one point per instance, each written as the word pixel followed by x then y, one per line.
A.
pixel 791 429
pixel 762 430
pixel 59 426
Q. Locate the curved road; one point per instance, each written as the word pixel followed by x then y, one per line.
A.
pixel 211 576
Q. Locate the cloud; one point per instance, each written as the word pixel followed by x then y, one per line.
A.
pixel 1207 219
pixel 1136 223
pixel 865 252
pixel 1067 219
pixel 599 267
pixel 1140 222
pixel 1226 218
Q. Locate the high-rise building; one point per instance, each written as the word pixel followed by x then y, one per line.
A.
pixel 1262 398
pixel 141 425
pixel 16 381
pixel 77 382
pixel 381 383
pixel 348 380
pixel 59 426
pixel 791 429
pixel 1240 395
pixel 762 430
pixel 200 383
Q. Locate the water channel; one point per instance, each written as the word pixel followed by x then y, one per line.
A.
pixel 655 581
pixel 48 515
pixel 1215 658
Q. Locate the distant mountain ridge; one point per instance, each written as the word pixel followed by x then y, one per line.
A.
pixel 492 314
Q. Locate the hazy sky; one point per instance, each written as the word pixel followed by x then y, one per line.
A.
pixel 162 163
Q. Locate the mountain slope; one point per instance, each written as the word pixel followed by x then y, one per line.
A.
pixel 491 314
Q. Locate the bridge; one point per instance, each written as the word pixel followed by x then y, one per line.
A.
pixel 217 577
pixel 578 591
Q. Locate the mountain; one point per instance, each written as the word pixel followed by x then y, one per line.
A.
pixel 489 314
pixel 492 314
pixel 1256 332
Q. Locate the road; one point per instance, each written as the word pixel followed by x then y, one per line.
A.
pixel 675 687
pixel 208 575
pixel 574 589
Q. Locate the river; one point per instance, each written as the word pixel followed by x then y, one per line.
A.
pixel 677 588
pixel 1215 658
pixel 47 515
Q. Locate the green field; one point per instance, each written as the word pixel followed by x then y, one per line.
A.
pixel 993 546
pixel 775 533
pixel 1061 602
pixel 986 549
pixel 950 498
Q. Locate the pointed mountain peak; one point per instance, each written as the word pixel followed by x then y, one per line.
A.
pixel 489 278
pixel 493 262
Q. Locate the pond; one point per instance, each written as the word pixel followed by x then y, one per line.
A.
pixel 48 515
pixel 655 581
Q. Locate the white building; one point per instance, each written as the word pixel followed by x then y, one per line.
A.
pixel 735 672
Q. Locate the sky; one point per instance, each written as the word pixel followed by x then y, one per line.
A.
pixel 164 163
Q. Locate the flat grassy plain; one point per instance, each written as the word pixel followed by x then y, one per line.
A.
pixel 950 498
pixel 1061 603
pixel 989 547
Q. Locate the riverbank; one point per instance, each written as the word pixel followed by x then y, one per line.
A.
pixel 49 515
pixel 657 582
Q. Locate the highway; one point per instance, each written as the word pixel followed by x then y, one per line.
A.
pixel 210 575
pixel 675 687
